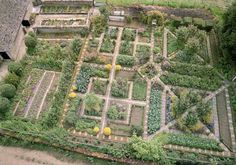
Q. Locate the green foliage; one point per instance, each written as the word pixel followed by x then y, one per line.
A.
pixel 13 79
pixel 145 150
pixel 143 53
pixel 229 31
pixel 128 34
pixel 191 119
pixel 8 90
pixel 114 114
pixel 71 116
pixel 193 141
pixel 120 88
pixel 108 45
pixel 31 41
pixel 185 101
pixel 76 45
pixel 92 102
pixel 124 60
pixel 52 117
pixel 154 114
pixel 126 48
pixel 136 130
pixel 99 24
pixel 85 74
pixel 203 110
pixel 4 105
pixel 16 67
pixel 194 70
pixel 99 86
pixel 190 81
pixel 83 124
pixel 139 89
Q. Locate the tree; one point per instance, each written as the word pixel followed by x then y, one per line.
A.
pixel 92 102
pixel 229 32
pixel 4 105
pixel 8 90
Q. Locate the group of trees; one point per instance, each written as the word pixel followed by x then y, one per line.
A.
pixel 229 32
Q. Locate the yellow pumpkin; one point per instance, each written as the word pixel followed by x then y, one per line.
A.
pixel 108 67
pixel 72 95
pixel 107 131
pixel 118 67
pixel 96 130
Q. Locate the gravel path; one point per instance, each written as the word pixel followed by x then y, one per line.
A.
pixel 20 156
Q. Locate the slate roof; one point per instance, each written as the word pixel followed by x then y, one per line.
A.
pixel 12 13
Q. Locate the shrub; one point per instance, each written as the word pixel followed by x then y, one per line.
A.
pixel 31 41
pixel 124 60
pixel 92 102
pixel 4 105
pixel 8 90
pixel 76 45
pixel 16 67
pixel 137 130
pixel 113 113
pixel 13 79
pixel 107 131
pixel 128 34
pixel 143 53
pixel 120 88
pixel 99 23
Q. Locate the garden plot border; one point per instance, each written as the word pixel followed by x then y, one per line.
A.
pixel 32 98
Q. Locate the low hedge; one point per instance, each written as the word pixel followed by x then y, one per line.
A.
pixel 194 70
pixel 190 81
pixel 193 141
pixel 125 60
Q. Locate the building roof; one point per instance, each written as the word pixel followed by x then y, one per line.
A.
pixel 12 13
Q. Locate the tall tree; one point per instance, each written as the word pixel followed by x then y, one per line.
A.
pixel 229 31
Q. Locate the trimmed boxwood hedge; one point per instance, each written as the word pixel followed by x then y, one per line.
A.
pixel 189 140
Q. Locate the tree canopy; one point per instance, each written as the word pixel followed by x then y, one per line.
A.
pixel 229 31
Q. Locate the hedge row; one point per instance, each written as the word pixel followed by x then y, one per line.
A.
pixel 190 81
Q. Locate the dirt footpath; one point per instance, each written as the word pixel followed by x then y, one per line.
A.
pixel 19 156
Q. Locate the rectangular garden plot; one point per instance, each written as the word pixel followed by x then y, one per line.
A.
pixel 36 98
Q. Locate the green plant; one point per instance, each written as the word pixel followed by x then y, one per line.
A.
pixel 113 113
pixel 13 79
pixel 120 88
pixel 154 114
pixel 128 34
pixel 76 45
pixel 4 105
pixel 108 45
pixel 124 60
pixel 139 89
pixel 16 67
pixel 143 53
pixel 137 130
pixel 92 102
pixel 193 141
pixel 145 150
pixel 8 90
pixel 228 33
pixel 99 24
pixel 31 42
pixel 126 48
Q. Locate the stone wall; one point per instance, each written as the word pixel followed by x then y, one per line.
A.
pixel 68 2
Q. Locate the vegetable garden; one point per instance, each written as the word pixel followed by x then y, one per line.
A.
pixel 135 92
